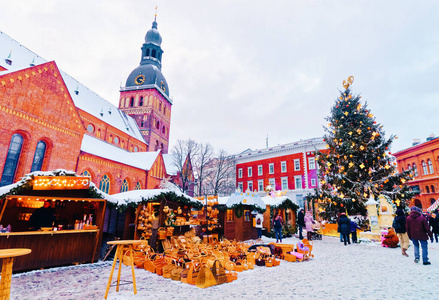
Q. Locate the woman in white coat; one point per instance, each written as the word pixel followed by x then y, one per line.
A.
pixel 309 221
pixel 259 219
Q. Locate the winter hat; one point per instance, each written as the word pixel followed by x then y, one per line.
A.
pixel 415 208
pixel 399 212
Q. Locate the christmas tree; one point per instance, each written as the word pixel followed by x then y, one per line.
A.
pixel 357 162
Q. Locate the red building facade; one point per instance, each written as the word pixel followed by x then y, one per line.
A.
pixel 423 160
pixel 289 168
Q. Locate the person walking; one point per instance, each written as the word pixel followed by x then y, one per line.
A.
pixel 418 231
pixel 277 224
pixel 436 226
pixel 344 228
pixel 399 226
pixel 259 219
pixel 301 222
pixel 353 228
pixel 309 221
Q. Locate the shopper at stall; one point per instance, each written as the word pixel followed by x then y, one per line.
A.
pixel 259 219
pixel 436 225
pixel 344 228
pixel 418 231
pixel 277 225
pixel 42 217
pixel 301 222
pixel 399 226
pixel 309 221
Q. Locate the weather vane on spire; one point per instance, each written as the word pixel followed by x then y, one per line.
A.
pixel 348 82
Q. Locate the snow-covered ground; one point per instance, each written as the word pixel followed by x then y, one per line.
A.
pixel 356 271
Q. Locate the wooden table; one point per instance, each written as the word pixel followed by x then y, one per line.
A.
pixel 8 258
pixel 121 246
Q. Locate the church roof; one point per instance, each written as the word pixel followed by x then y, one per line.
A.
pixel 21 57
pixel 100 148
pixel 171 169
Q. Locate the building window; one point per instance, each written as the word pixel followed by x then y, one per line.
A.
pixel 230 215
pixel 138 186
pixel 86 173
pixel 284 182
pixel 260 185
pixel 38 156
pixel 297 165
pixel 124 186
pixel 116 140
pixel 424 168
pixel 283 166
pixel 312 163
pixel 141 101
pixel 313 182
pixel 432 189
pixel 136 149
pixel 415 170
pixel 250 171
pixel 430 166
pixel 298 182
pixel 240 186
pixel 12 158
pixel 141 124
pixel 90 128
pixel 132 102
pixel 427 189
pixel 260 170
pixel 239 173
pixel 272 183
pixel 250 185
pixel 246 215
pixel 104 184
pixel 271 168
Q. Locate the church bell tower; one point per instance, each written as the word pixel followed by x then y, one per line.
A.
pixel 145 96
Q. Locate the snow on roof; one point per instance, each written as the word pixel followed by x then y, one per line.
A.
pixel 82 96
pixel 274 201
pixel 98 147
pixel 138 196
pixel 247 198
pixel 171 169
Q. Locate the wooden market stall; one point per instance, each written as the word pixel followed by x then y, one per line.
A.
pixel 287 208
pixel 76 233
pixel 238 219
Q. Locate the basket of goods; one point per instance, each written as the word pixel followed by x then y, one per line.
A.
pixel 161 232
pixel 169 231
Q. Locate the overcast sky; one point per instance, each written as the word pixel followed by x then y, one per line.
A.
pixel 241 70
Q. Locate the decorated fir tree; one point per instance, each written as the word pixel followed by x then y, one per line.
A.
pixel 357 161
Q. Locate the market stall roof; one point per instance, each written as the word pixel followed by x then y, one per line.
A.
pixel 25 181
pixel 434 206
pixel 274 201
pixel 246 198
pixel 137 196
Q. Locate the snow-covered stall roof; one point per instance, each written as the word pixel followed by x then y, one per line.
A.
pixel 9 189
pixel 246 198
pixel 98 147
pixel 274 201
pixel 85 99
pixel 138 196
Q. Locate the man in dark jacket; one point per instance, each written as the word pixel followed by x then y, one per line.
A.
pixel 344 228
pixel 418 231
pixel 301 222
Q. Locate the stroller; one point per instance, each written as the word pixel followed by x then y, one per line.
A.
pixel 316 234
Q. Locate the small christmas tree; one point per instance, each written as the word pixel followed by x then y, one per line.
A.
pixel 357 162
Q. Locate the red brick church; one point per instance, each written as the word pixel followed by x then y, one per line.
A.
pixel 49 120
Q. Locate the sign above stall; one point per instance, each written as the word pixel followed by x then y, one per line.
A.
pixel 61 183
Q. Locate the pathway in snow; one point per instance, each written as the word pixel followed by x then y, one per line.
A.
pixel 356 271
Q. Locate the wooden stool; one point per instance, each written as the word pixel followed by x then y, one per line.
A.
pixel 121 246
pixel 8 259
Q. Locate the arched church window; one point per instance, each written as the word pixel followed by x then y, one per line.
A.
pixel 156 145
pixel 124 187
pixel 157 125
pixel 86 173
pixel 141 123
pixel 427 189
pixel 104 184
pixel 415 170
pixel 37 163
pixel 138 186
pixel 164 110
pixel 147 52
pixel 12 160
pixel 160 105
pixel 430 166
pixel 161 146
pixel 154 53
pixel 132 102
pixel 163 129
pixel 141 101
pixel 432 188
pixel 424 168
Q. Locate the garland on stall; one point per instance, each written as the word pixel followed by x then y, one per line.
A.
pixel 239 209
pixel 287 203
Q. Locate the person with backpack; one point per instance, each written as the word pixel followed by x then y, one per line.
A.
pixel 277 225
pixel 418 231
pixel 399 226
pixel 258 224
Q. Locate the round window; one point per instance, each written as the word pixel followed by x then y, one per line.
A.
pixel 116 140
pixel 90 128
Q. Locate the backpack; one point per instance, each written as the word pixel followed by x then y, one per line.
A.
pixel 258 221
pixel 396 225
